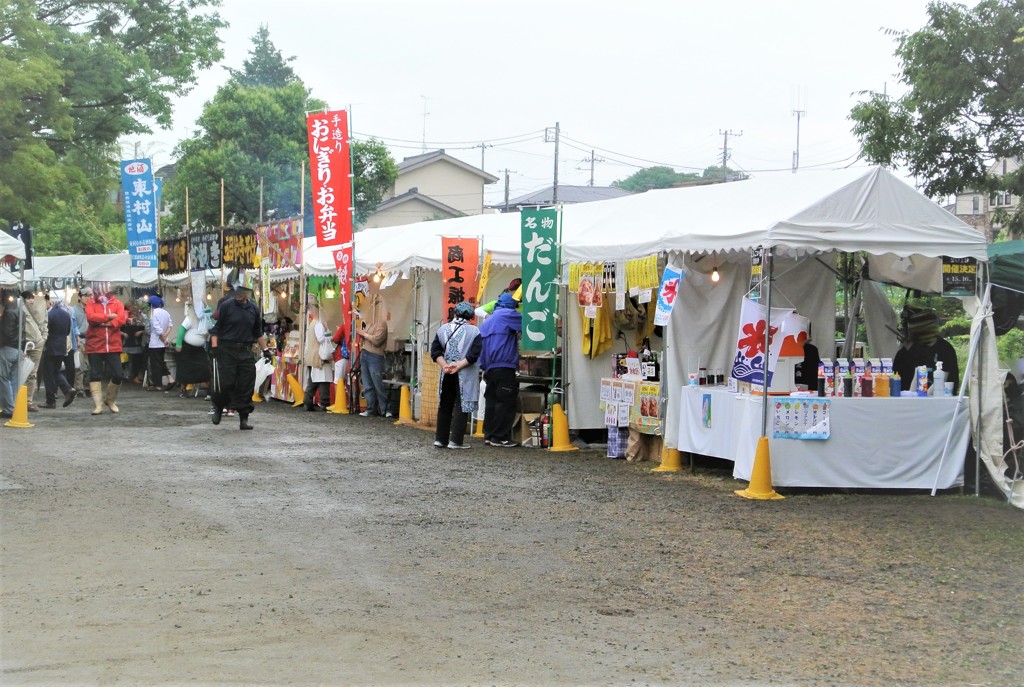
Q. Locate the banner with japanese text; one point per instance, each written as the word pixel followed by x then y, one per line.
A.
pixel 670 282
pixel 749 360
pixel 343 263
pixel 139 197
pixel 460 260
pixel 173 255
pixel 241 249
pixel 204 250
pixel 959 276
pixel 540 277
pixel 329 169
pixel 281 243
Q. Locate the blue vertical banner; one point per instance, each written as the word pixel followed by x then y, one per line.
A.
pixel 140 207
pixel 540 279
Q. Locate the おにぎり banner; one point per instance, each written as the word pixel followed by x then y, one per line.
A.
pixel 460 260
pixel 329 169
pixel 540 274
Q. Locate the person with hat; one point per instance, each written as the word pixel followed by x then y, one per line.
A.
pixel 499 359
pixel 233 366
pixel 924 345
pixel 106 316
pixel 455 349
pixel 514 288
pixel 160 328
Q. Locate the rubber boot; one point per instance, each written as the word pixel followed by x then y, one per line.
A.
pixel 243 420
pixel 218 412
pixel 96 389
pixel 111 396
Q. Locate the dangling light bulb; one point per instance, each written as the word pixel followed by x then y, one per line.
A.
pixel 209 296
pixel 329 293
pixel 715 276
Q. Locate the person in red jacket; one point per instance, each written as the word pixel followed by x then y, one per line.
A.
pixel 106 316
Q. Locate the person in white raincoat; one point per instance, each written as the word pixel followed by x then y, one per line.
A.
pixel 319 362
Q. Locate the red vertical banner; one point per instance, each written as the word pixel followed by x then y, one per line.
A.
pixel 460 261
pixel 329 168
pixel 343 264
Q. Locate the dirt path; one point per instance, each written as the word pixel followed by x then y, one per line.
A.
pixel 154 548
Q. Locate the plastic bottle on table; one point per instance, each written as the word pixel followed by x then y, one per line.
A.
pixel 881 385
pixel 938 380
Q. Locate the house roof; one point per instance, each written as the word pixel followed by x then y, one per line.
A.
pixel 418 161
pixel 566 194
pixel 414 194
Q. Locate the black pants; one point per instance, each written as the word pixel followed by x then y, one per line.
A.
pixel 157 366
pixel 106 367
pixel 54 377
pixel 451 420
pixel 500 403
pixel 233 377
pixel 311 389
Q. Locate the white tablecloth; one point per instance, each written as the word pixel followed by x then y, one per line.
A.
pixel 893 443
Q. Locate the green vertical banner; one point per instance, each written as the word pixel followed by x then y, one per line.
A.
pixel 540 277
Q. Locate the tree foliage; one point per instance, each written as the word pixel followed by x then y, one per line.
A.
pixel 77 75
pixel 964 107
pixel 254 129
pixel 653 177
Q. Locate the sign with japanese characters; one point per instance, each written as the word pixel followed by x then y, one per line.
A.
pixel 139 194
pixel 670 282
pixel 460 259
pixel 329 169
pixel 748 364
pixel 204 250
pixel 281 243
pixel 959 276
pixel 174 255
pixel 540 277
pixel 801 418
pixel 240 248
pixel 343 263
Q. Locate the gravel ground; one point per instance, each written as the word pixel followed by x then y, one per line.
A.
pixel 152 548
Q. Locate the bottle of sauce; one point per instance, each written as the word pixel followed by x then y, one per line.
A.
pixel 881 385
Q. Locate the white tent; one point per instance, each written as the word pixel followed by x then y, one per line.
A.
pixel 11 247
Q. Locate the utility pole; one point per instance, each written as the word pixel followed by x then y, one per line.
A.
pixel 552 135
pixel 725 149
pixel 506 173
pixel 482 147
pixel 796 153
pixel 425 113
pixel 592 160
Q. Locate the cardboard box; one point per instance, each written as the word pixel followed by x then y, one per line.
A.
pixel 521 429
pixel 531 402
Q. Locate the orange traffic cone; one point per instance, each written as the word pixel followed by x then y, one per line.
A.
pixel 560 430
pixel 404 407
pixel 20 417
pixel 340 405
pixel 670 461
pixel 760 487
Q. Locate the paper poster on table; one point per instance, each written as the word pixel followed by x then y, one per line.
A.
pixel 540 276
pixel 670 283
pixel 801 418
pixel 705 411
pixel 749 359
pixel 624 409
pixel 611 414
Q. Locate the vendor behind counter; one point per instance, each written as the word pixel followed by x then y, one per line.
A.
pixel 924 345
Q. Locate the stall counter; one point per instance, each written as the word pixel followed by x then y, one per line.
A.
pixel 888 443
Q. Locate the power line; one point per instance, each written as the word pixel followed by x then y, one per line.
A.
pixel 470 144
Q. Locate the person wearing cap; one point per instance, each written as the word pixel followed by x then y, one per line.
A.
pixel 160 328
pixel 499 359
pixel 924 345
pixel 455 349
pixel 233 366
pixel 514 289
pixel 60 328
pixel 35 329
pixel 106 316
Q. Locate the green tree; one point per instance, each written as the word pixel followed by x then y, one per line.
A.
pixel 964 107
pixel 77 75
pixel 250 133
pixel 653 177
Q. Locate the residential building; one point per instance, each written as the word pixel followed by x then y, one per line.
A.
pixel 566 195
pixel 433 185
pixel 982 211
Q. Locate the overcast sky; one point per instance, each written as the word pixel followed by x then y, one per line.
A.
pixel 641 83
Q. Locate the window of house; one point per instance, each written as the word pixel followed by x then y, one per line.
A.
pixel 976 205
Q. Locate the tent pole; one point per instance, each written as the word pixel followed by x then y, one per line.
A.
pixel 767 339
pixel 985 313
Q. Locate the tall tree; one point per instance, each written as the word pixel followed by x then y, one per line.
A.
pixel 76 75
pixel 254 129
pixel 964 107
pixel 653 177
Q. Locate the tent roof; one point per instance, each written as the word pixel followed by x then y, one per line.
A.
pixel 11 247
pixel 1006 264
pixel 849 210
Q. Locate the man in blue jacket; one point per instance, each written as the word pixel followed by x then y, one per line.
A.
pixel 499 359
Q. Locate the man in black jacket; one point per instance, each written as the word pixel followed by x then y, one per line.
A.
pixel 233 367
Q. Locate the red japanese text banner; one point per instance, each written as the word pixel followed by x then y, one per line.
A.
pixel 329 169
pixel 343 264
pixel 460 260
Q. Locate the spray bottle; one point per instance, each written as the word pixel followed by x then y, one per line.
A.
pixel 938 380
